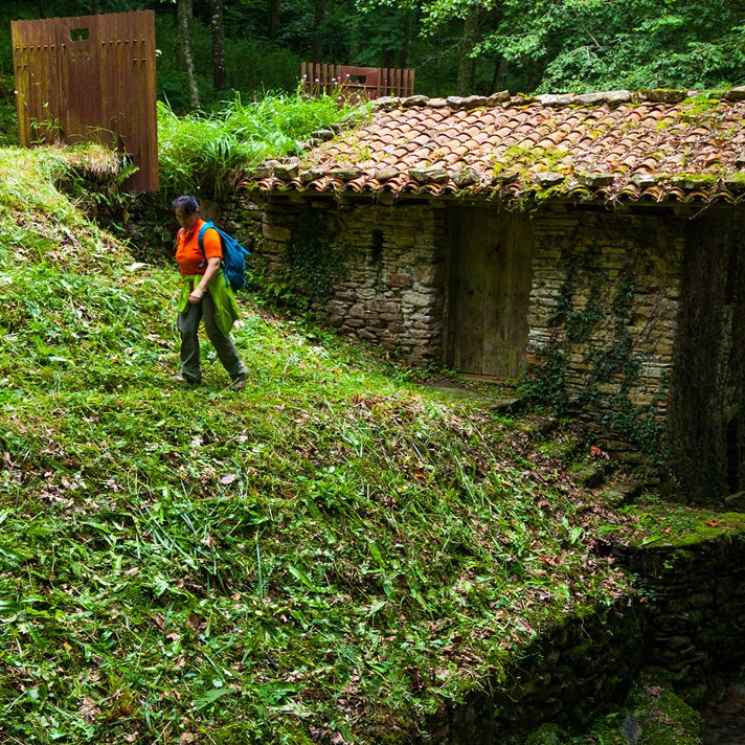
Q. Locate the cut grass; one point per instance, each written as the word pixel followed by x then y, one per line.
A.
pixel 332 555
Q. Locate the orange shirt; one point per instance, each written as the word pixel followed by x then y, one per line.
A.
pixel 189 258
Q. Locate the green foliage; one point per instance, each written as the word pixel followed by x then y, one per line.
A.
pixel 614 363
pixel 208 153
pixel 544 45
pixel 580 45
pixel 335 552
pixel 253 65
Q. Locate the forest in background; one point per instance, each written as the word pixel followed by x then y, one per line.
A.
pixel 456 46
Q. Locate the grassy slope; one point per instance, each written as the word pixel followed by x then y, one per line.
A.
pixel 330 555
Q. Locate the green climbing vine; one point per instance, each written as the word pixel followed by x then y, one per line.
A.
pixel 313 264
pixel 613 367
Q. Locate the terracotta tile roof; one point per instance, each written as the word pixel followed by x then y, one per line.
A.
pixel 612 146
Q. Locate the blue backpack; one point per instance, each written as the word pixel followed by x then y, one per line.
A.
pixel 234 256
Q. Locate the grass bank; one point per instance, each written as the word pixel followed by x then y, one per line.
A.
pixel 331 555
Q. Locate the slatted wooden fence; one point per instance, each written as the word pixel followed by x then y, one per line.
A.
pixel 360 82
pixel 90 78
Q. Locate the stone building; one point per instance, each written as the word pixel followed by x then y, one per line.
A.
pixel 591 244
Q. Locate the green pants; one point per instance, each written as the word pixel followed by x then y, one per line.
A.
pixel 188 326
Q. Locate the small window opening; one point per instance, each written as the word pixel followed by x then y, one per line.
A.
pixel 376 251
pixel 358 79
pixel 79 34
pixel 733 457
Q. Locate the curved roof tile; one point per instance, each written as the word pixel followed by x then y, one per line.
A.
pixel 688 151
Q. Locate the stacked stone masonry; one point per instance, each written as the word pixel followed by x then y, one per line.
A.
pixel 605 296
pixel 681 628
pixel 391 289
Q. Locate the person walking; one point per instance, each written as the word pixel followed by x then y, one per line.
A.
pixel 205 296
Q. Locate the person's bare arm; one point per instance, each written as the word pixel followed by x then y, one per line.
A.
pixel 213 266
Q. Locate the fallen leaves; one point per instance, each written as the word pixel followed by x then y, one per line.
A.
pixel 89 710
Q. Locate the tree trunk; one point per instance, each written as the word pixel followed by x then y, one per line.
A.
pixel 319 14
pixel 184 28
pixel 275 10
pixel 500 73
pixel 218 44
pixel 468 42
pixel 403 54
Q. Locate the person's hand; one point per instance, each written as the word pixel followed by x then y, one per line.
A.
pixel 196 296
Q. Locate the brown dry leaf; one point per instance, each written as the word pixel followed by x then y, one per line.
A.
pixel 89 710
pixel 195 622
pixel 186 738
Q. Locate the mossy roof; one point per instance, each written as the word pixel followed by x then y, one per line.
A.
pixel 654 145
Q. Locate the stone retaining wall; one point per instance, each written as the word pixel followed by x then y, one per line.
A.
pixel 686 626
pixel 695 630
pixel 569 674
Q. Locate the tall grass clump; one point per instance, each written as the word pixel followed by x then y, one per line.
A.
pixel 207 153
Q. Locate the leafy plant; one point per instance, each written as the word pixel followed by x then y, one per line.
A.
pixel 208 153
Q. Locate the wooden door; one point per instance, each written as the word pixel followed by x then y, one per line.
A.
pixel 490 278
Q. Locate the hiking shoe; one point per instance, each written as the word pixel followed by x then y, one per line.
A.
pixel 238 384
pixel 185 382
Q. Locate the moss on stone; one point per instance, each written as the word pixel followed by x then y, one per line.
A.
pixel 696 108
pixel 664 525
pixel 548 734
pixel 667 720
pixel 653 715
pixel 526 159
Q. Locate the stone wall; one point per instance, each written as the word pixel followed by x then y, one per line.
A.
pixel 390 289
pixel 568 675
pixel 695 627
pixel 686 628
pixel 603 316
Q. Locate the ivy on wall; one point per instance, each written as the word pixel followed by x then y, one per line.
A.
pixel 312 265
pixel 598 328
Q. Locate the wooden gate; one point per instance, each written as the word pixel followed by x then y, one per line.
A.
pixel 490 279
pixel 357 82
pixel 90 78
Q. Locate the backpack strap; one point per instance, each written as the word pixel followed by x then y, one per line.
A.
pixel 200 238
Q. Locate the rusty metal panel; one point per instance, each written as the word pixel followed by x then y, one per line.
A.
pixel 90 78
pixel 359 83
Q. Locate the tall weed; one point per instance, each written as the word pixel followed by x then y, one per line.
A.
pixel 206 153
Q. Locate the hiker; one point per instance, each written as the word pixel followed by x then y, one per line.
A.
pixel 205 295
